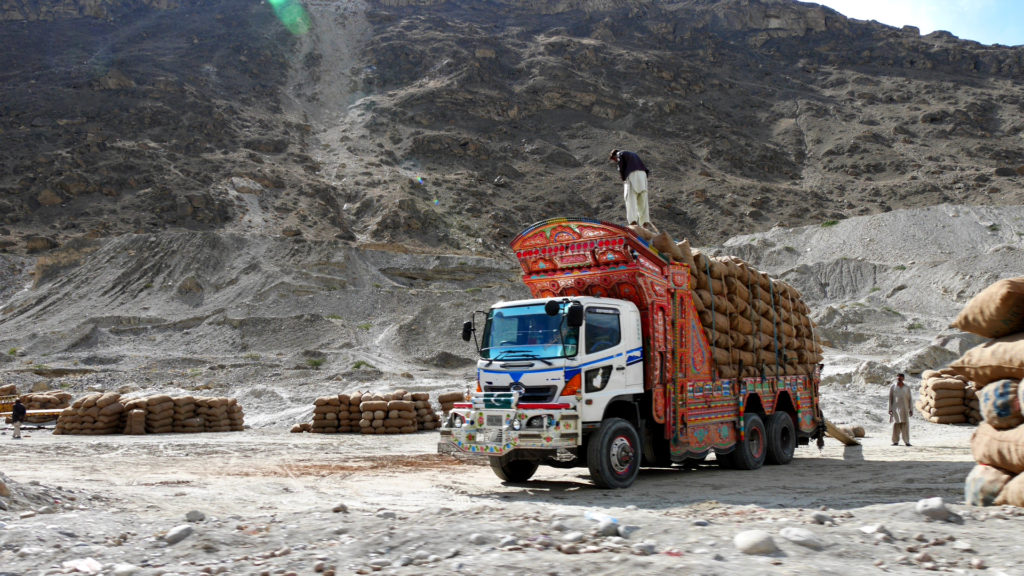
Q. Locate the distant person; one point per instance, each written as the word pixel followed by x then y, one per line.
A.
pixel 634 175
pixel 17 417
pixel 900 403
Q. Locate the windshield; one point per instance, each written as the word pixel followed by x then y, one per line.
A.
pixel 527 332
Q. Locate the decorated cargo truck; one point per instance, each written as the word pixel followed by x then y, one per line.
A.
pixel 630 356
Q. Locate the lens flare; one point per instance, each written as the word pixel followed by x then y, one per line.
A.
pixel 292 15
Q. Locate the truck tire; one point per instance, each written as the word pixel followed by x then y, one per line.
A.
pixel 614 454
pixel 781 439
pixel 750 453
pixel 512 469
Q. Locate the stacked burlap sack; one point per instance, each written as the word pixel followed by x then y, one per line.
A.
pixel 93 414
pixel 398 412
pixel 996 368
pixel 946 397
pixel 160 414
pixel 40 401
pixel 8 390
pixel 448 400
pixel 998 447
pixel 756 325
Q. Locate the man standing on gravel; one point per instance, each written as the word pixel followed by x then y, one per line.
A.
pixel 17 417
pixel 634 175
pixel 900 403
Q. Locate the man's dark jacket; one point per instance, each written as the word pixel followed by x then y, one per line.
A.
pixel 18 413
pixel 630 162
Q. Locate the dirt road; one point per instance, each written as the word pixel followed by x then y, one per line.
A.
pixel 268 497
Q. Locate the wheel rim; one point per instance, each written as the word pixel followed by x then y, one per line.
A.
pixel 755 439
pixel 621 455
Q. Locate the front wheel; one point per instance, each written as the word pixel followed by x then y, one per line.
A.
pixel 781 439
pixel 511 469
pixel 614 454
pixel 751 451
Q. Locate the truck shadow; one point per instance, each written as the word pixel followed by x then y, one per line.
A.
pixel 850 482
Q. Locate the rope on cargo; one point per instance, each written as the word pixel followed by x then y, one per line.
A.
pixel 775 326
pixel 711 289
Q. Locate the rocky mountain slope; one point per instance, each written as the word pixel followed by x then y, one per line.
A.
pixel 193 195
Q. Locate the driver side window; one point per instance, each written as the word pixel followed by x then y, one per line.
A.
pixel 602 329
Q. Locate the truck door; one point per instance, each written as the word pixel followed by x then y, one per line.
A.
pixel 604 359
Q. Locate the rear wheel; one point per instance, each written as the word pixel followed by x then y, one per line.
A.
pixel 781 439
pixel 751 451
pixel 614 454
pixel 511 469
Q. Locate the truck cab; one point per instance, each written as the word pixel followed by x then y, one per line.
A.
pixel 548 371
pixel 546 357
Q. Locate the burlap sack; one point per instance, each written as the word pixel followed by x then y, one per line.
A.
pixel 1000 448
pixel 983 485
pixel 948 402
pixel 1012 493
pixel 993 360
pixel 451 397
pixel 373 405
pixel 952 419
pixel 996 311
pixel 946 384
pixel 1000 405
pixel 685 254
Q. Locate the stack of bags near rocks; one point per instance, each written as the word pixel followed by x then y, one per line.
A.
pixel 755 325
pixel 92 414
pixel 52 400
pixel 393 413
pixel 996 368
pixel 160 414
pixel 8 390
pixel 334 414
pixel 398 412
pixel 448 400
pixel 946 397
pixel 220 414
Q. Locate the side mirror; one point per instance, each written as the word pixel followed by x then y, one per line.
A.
pixel 552 307
pixel 467 330
pixel 574 318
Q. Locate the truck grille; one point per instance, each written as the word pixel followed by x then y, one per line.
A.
pixel 533 394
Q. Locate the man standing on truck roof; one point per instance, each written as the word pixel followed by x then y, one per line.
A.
pixel 17 417
pixel 900 402
pixel 634 176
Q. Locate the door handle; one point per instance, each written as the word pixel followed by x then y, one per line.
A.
pixel 620 367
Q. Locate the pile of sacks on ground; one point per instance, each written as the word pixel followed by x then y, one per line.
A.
pixel 946 397
pixel 398 412
pixel 109 413
pixel 755 325
pixel 52 400
pixel 996 368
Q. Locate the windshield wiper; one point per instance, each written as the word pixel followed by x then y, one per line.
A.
pixel 526 354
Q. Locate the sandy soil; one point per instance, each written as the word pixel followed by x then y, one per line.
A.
pixel 269 497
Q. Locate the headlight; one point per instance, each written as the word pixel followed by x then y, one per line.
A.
pixel 545 421
pixel 516 424
pixel 458 421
